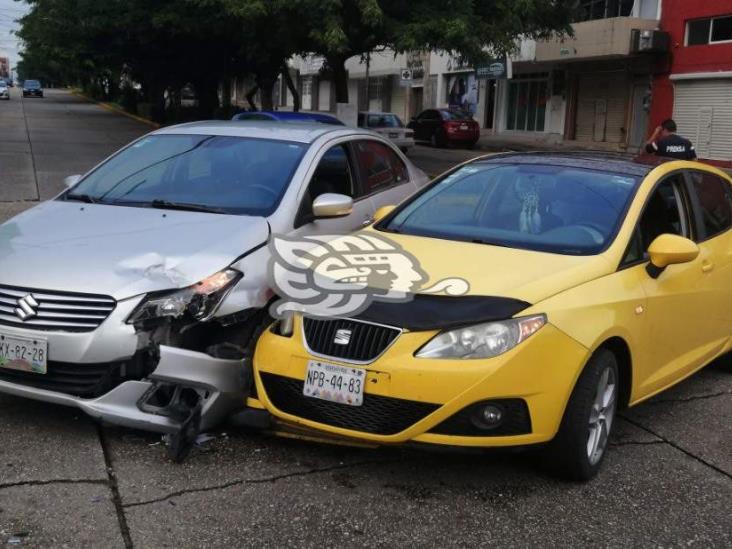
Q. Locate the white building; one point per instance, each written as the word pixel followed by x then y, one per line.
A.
pixel 593 88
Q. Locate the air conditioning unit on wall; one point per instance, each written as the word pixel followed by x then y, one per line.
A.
pixel 649 41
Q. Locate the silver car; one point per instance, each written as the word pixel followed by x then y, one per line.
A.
pixel 390 126
pixel 136 295
pixel 4 90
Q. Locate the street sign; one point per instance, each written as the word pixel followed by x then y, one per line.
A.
pixel 405 77
pixel 492 69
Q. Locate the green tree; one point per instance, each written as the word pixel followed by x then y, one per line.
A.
pixel 466 28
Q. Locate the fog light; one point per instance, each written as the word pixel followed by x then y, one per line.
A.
pixel 492 415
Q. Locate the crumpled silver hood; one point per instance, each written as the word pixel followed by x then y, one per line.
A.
pixel 120 251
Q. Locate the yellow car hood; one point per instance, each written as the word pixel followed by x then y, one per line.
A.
pixel 526 275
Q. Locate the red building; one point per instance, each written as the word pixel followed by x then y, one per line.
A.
pixel 696 87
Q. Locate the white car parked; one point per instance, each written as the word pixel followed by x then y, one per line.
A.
pixel 137 294
pixel 388 125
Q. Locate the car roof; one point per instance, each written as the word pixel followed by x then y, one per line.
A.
pixel 291 115
pixel 621 163
pixel 259 129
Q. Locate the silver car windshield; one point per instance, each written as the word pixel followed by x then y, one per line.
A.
pixel 220 174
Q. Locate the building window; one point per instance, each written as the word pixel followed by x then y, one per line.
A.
pixel 307 85
pixel 527 97
pixel 590 10
pixel 709 31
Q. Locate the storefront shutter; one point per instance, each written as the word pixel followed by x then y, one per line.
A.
pixel 601 107
pixel 703 113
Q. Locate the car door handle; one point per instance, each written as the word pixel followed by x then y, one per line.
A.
pixel 707 267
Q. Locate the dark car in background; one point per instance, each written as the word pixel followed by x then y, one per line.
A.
pixel 443 127
pixel 32 88
pixel 289 116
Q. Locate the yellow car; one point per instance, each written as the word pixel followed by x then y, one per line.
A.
pixel 592 283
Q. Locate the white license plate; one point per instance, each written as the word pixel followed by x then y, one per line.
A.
pixel 463 126
pixel 334 383
pixel 24 354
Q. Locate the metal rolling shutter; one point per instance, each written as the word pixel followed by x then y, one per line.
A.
pixel 601 107
pixel 703 113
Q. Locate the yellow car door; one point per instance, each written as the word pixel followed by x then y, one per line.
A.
pixel 676 338
pixel 711 198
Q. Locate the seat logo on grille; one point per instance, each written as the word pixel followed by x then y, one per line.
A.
pixel 27 307
pixel 342 337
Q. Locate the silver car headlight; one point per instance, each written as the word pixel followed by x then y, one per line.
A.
pixel 201 300
pixel 482 340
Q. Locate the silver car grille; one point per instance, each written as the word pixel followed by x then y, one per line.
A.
pixel 53 311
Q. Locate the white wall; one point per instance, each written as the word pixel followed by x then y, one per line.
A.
pixel 324 95
pixel 399 100
pixel 382 63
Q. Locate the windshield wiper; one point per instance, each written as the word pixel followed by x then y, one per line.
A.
pixel 82 198
pixel 167 205
pixel 489 243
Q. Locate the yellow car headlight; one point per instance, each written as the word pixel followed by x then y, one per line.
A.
pixel 482 340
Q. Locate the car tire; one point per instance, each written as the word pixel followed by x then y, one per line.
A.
pixel 580 446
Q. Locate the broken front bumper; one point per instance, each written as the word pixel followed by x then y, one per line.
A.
pixel 222 385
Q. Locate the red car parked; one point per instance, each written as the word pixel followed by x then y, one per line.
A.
pixel 442 127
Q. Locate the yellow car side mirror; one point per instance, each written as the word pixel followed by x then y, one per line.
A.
pixel 382 212
pixel 670 249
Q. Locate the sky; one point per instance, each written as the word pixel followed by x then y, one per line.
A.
pixel 10 10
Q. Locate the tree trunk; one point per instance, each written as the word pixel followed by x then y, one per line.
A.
pixel 157 102
pixel 250 98
pixel 296 104
pixel 266 83
pixel 207 91
pixel 340 78
pixel 226 93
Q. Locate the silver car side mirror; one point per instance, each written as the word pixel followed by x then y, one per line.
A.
pixel 332 205
pixel 71 180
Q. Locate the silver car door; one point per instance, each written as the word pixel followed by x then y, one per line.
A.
pixel 384 176
pixel 335 173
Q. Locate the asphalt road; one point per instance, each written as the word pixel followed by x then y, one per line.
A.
pixel 65 481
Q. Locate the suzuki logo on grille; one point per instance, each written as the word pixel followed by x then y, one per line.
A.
pixel 342 337
pixel 27 307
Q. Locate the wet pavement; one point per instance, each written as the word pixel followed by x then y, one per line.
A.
pixel 66 481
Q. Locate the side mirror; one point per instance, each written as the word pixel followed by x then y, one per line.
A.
pixel 670 249
pixel 382 212
pixel 71 180
pixel 332 205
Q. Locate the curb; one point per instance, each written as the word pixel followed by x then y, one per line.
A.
pixel 115 109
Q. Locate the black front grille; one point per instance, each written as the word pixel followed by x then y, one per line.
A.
pixel 365 341
pixel 466 422
pixel 51 310
pixel 81 380
pixel 377 415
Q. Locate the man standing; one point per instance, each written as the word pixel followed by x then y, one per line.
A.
pixel 665 142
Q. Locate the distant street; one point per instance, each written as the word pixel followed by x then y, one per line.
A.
pixel 44 140
pixel 65 481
